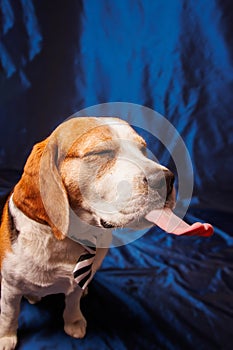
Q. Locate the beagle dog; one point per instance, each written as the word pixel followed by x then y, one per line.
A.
pixel 90 176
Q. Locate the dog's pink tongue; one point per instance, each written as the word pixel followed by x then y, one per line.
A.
pixel 169 222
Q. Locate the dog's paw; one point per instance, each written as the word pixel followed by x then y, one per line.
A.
pixel 76 329
pixel 8 343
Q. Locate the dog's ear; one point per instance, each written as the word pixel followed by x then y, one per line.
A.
pixel 40 193
pixel 52 191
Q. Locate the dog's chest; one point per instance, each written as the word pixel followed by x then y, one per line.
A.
pixel 39 263
pixel 41 267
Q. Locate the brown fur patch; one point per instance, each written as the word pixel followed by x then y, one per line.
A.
pixel 105 167
pixel 5 233
pixel 27 195
pixel 27 191
pixel 97 136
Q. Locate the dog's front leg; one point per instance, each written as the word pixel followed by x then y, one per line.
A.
pixel 10 307
pixel 74 321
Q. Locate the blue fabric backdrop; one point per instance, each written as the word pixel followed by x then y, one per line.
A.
pixel 57 57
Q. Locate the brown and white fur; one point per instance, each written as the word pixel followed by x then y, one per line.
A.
pixel 95 168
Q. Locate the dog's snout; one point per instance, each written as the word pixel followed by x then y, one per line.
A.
pixel 161 181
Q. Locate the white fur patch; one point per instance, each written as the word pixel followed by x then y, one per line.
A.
pixel 39 263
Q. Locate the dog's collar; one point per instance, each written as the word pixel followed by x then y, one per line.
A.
pixel 83 269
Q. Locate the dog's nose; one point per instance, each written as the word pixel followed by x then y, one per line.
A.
pixel 161 181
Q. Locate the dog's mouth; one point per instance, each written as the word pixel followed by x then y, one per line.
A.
pixel 146 215
pixel 137 219
pixel 105 224
pixel 169 222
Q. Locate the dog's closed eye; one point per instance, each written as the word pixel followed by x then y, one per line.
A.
pixel 101 153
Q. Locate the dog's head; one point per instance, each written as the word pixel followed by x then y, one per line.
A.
pixel 99 168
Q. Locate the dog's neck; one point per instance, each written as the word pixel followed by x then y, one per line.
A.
pixel 23 223
pixel 41 235
pixel 79 232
